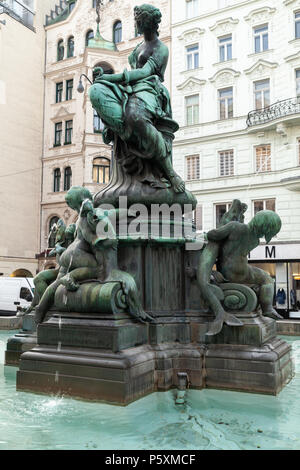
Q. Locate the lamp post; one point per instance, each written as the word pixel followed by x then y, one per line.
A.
pixel 80 87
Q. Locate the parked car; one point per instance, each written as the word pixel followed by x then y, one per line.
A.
pixel 15 293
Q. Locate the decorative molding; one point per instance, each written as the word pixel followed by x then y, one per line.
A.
pixel 290 2
pixel 191 35
pixel 224 77
pixel 224 26
pixel 63 112
pixel 260 15
pixel 294 57
pixel 191 84
pixel 260 68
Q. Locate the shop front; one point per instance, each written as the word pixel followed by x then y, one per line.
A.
pixel 282 262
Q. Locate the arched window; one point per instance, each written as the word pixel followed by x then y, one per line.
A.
pixel 60 50
pixel 67 178
pixel 56 180
pixel 101 170
pixel 89 35
pixel 52 232
pixel 71 47
pixel 117 32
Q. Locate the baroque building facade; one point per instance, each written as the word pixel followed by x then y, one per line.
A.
pixel 236 75
pixel 22 52
pixel 74 152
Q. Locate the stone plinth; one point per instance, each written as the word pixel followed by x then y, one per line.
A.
pixel 113 358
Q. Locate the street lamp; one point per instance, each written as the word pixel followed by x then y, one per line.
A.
pixel 80 87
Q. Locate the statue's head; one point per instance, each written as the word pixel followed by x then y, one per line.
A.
pixel 76 196
pixel 266 224
pixel 147 18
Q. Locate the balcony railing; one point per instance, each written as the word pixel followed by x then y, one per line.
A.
pixel 18 11
pixel 277 110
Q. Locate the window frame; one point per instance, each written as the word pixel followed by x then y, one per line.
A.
pixel 67 178
pixel 297 23
pixel 68 132
pixel 225 46
pixel 56 180
pixel 268 161
pixel 227 204
pixel 104 168
pixel 59 92
pixel 264 201
pixel 186 107
pixel 57 134
pixel 191 9
pixel 71 38
pixel 261 35
pixel 263 94
pixel 228 156
pixel 225 100
pixel 68 88
pixel 189 171
pixel 60 50
pixel 193 56
pixel 117 30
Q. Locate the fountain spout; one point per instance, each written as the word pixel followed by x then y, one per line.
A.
pixel 183 384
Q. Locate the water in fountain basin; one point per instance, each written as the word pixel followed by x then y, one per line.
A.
pixel 210 419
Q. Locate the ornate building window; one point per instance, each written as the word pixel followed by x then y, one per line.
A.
pixel 261 38
pixel 226 103
pixel 59 92
pixel 60 50
pixel 226 163
pixel 57 134
pixel 117 32
pixel 70 52
pixel 89 35
pixel 192 167
pixel 192 8
pixel 225 48
pixel 263 158
pixel 192 110
pixel 298 83
pixel 262 94
pixel 263 205
pixel 192 57
pixel 67 178
pixel 52 232
pixel 101 170
pixel 56 180
pixel 69 89
pixel 68 132
pixel 220 210
pixel 297 24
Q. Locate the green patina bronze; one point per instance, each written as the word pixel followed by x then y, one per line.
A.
pixel 228 247
pixel 91 256
pixel 136 110
pixel 64 237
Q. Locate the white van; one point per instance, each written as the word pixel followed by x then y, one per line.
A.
pixel 15 292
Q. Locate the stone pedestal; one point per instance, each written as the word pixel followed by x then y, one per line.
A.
pixel 113 358
pixel 118 360
pixel 23 341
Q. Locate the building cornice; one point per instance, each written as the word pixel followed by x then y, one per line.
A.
pixel 213 13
